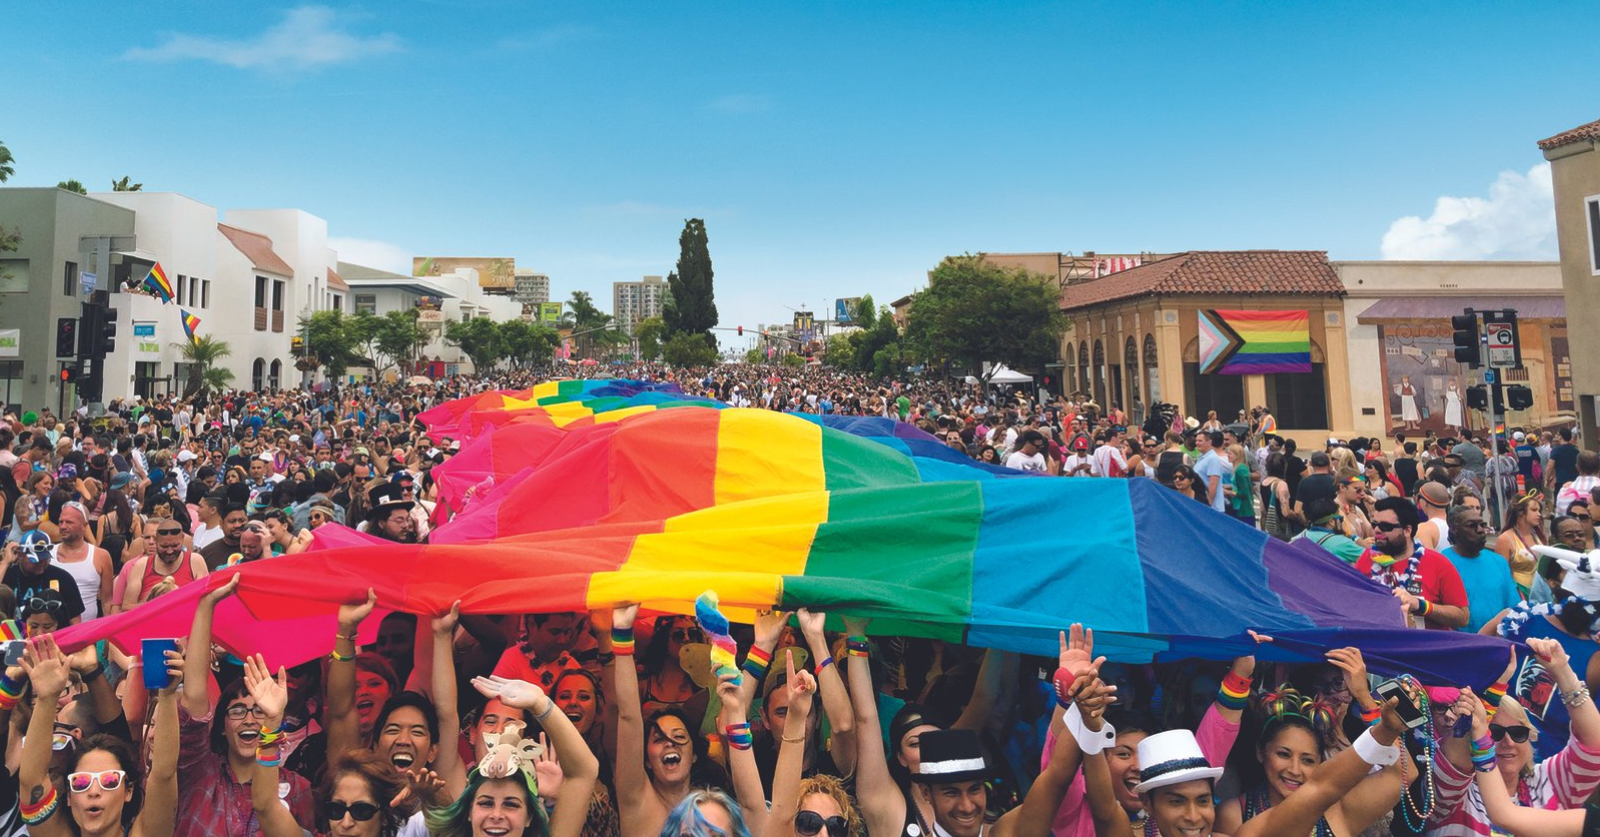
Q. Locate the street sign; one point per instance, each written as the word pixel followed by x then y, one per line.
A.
pixel 144 329
pixel 1488 376
pixel 1500 340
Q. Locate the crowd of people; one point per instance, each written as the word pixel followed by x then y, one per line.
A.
pixel 613 722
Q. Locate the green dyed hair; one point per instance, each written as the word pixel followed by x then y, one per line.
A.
pixel 453 819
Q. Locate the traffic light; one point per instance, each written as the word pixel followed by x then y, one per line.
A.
pixel 108 331
pixel 69 375
pixel 741 331
pixel 66 337
pixel 1478 396
pixel 98 327
pixel 1465 336
pixel 1519 398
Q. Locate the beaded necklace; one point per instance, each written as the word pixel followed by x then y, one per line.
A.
pixel 1415 819
pixel 1259 800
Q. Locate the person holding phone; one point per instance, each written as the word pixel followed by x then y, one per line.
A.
pixel 1494 782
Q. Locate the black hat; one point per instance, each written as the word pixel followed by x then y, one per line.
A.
pixel 385 498
pixel 950 755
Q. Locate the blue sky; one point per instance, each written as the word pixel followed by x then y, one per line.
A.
pixel 833 148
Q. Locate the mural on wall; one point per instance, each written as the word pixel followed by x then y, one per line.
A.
pixel 1425 384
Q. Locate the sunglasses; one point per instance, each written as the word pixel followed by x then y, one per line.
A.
pixel 688 635
pixel 334 811
pixel 46 605
pixel 109 780
pixel 811 823
pixel 1517 734
pixel 1386 527
pixel 177 531
pixel 1582 517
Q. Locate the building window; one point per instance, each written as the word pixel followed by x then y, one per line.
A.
pixel 205 293
pixel 11 382
pixel 69 279
pixel 14 275
pixel 366 303
pixel 182 288
pixel 1593 209
pixel 258 373
pixel 338 302
pixel 277 296
pixel 261 291
pixel 1299 401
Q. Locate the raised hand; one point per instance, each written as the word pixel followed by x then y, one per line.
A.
pixel 446 625
pixel 46 666
pixel 1077 652
pixel 352 615
pixel 769 627
pixel 622 617
pixel 734 709
pixel 271 694
pixel 422 786
pixel 1093 700
pixel 1550 653
pixel 1391 718
pixel 85 659
pixel 856 626
pixel 1354 666
pixel 174 672
pixel 220 592
pixel 811 624
pixel 547 769
pixel 517 694
pixel 802 687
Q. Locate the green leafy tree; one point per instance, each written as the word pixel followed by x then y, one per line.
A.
pixel 793 361
pixel 72 186
pixel 332 340
pixel 10 239
pixel 202 354
pixel 691 306
pixel 883 337
pixel 973 311
pixel 124 186
pixel 753 356
pixel 398 336
pixel 686 349
pixel 649 333
pixel 865 313
pixel 840 353
pixel 479 339
pixel 8 164
pixel 528 344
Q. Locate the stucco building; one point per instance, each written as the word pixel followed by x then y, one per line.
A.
pixel 1575 169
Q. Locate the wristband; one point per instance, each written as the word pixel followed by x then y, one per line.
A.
pixel 550 707
pixel 856 639
pixel 351 637
pixel 268 739
pixel 738 736
pixel 1061 686
pixel 37 814
pixel 9 686
pixel 1427 607
pixel 756 662
pixel 9 702
pixel 857 647
pixel 827 661
pixel 1234 693
pixel 1372 715
pixel 91 675
pixel 622 642
pixel 341 658
pixel 1482 746
pixel 1091 743
pixel 276 761
pixel 1371 752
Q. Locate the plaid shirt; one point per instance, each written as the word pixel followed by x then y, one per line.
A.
pixel 210 802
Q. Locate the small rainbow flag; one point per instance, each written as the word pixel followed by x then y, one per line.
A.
pixel 157 284
pixel 190 323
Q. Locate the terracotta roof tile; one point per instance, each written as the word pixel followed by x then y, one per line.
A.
pixel 336 282
pixel 1590 131
pixel 1213 272
pixel 257 248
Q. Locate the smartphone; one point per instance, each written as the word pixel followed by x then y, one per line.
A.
pixel 13 651
pixel 153 654
pixel 1409 708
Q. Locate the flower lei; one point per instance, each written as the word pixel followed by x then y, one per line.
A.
pixel 1383 570
pixel 1515 624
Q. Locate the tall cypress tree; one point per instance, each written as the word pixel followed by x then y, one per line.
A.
pixel 692 308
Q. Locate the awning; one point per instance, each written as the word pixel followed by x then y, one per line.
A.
pixel 1410 308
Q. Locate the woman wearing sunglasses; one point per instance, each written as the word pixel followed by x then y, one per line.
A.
pixel 1512 791
pixel 817 806
pixel 104 784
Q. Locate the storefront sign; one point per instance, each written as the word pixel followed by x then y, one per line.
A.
pixel 144 329
pixel 10 342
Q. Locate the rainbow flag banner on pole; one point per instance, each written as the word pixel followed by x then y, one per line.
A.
pixel 157 284
pixel 190 323
pixel 1254 342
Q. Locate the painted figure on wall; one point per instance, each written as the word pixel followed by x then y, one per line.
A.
pixel 1423 382
pixel 1409 412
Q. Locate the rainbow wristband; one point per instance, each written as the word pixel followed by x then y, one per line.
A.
pixel 757 662
pixel 738 736
pixel 37 814
pixel 9 686
pixel 1491 699
pixel 1427 608
pixel 622 642
pixel 1228 698
pixel 9 702
pixel 1372 716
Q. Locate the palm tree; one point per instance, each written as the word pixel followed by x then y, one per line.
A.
pixel 72 186
pixel 202 355
pixel 124 186
pixel 7 163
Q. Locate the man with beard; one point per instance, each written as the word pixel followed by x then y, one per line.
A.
pixel 170 560
pixel 1425 582
pixel 1485 574
pixel 389 514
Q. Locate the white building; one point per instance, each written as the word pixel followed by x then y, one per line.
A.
pixel 532 288
pixel 458 293
pixel 635 301
pixel 248 280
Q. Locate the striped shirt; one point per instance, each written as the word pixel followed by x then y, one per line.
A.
pixel 1564 780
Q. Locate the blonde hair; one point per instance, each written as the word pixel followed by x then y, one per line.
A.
pixel 1343 458
pixel 1236 453
pixel 832 788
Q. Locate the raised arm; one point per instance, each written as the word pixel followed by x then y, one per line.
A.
pixel 579 767
pixel 1525 822
pixel 631 781
pixel 768 629
pixel 197 653
pixel 835 702
pixel 882 803
pixel 160 812
pixel 1090 698
pixel 1585 719
pixel 1299 812
pixel 272 697
pixel 791 753
pixel 342 720
pixel 741 759
pixel 448 762
pixel 42 810
pixel 980 708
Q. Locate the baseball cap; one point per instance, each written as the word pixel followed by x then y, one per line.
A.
pixel 187 456
pixel 1518 436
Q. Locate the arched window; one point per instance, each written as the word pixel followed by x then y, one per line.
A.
pixel 1130 368
pixel 1100 374
pixel 258 374
pixel 274 376
pixel 1083 367
pixel 1152 369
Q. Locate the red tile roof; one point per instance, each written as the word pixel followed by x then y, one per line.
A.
pixel 335 281
pixel 1590 131
pixel 257 248
pixel 1213 272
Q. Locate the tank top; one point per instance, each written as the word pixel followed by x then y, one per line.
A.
pixel 1523 563
pixel 87 577
pixel 152 577
pixel 1443 530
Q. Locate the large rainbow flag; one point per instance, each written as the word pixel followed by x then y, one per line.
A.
pixel 1254 342
pixel 851 516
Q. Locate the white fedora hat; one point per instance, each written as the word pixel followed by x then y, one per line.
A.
pixel 1172 758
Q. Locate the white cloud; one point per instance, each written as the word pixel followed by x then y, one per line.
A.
pixel 740 103
pixel 371 253
pixel 1516 221
pixel 307 38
